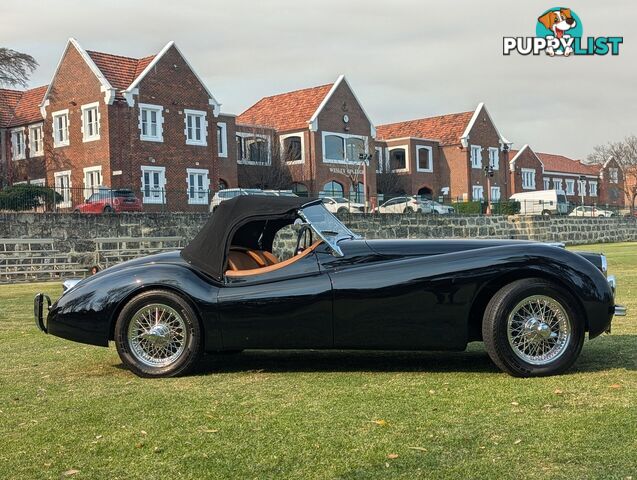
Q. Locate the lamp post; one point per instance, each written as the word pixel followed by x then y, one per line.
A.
pixel 488 171
pixel 582 179
pixel 364 158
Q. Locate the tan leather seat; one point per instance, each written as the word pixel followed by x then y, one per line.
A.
pixel 241 258
pixel 241 272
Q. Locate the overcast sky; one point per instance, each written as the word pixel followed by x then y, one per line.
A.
pixel 404 58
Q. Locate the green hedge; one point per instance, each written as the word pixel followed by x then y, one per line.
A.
pixel 27 197
pixel 506 207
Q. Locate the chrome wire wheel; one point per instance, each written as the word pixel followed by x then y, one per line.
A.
pixel 157 335
pixel 539 330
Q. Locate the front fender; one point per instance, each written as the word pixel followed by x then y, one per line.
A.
pixel 87 313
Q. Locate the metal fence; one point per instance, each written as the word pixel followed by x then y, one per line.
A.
pixel 33 198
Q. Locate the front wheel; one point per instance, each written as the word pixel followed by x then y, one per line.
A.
pixel 546 213
pixel 157 334
pixel 532 327
pixel 408 210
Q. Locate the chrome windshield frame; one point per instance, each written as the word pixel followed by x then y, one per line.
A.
pixel 330 240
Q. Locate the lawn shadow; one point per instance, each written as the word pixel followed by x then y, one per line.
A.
pixel 610 352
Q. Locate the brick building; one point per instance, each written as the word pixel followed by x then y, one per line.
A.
pixel 105 120
pixel 321 136
pixel 581 183
pixel 447 156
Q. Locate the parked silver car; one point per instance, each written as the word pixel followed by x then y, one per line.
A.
pixel 405 205
pixel 584 211
pixel 342 205
pixel 228 193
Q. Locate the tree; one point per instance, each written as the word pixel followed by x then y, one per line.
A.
pixel 15 67
pixel 624 152
pixel 273 174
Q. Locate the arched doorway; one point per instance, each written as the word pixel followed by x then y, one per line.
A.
pixel 425 193
pixel 222 184
pixel 332 189
pixel 299 189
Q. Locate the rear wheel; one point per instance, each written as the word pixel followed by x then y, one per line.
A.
pixel 408 210
pixel 108 209
pixel 546 213
pixel 157 334
pixel 342 210
pixel 532 327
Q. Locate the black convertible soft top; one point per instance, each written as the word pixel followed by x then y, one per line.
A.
pixel 207 251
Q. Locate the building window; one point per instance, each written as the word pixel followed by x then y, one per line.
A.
pixel 424 159
pixel 570 186
pixel 253 149
pixel 39 182
pixel 332 189
pixel 357 192
pixel 36 145
pixel 476 156
pixel 222 139
pixel 222 184
pixel 151 122
pixel 292 148
pixel 398 160
pixel 378 158
pixel 495 194
pixel 547 183
pixel 153 184
pixel 299 189
pixel 60 128
pixel 63 187
pixel 614 175
pixel 196 127
pixel 581 187
pixel 343 148
pixel 17 144
pixel 592 188
pixel 90 122
pixel 477 193
pixel 557 184
pixel 92 180
pixel 198 185
pixel 494 158
pixel 528 178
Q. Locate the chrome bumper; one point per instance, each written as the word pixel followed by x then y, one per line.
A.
pixel 38 310
pixel 620 310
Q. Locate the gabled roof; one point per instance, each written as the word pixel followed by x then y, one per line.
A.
pixel 514 154
pixel 562 164
pixel 286 111
pixel 21 108
pixel 119 71
pixel 8 101
pixel 446 129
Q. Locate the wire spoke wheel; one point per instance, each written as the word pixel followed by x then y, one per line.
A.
pixel 157 335
pixel 539 330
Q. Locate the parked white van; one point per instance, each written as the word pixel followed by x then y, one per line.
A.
pixel 542 202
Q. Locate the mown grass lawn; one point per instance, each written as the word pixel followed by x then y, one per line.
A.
pixel 68 410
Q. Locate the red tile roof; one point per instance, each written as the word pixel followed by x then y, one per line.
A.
pixel 8 101
pixel 447 129
pixel 560 163
pixel 119 71
pixel 287 111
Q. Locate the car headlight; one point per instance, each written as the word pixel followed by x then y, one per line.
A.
pixel 604 264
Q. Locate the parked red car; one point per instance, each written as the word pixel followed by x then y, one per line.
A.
pixel 110 201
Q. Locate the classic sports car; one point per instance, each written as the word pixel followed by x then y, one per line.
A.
pixel 530 303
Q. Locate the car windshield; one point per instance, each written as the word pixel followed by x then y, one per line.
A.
pixel 341 200
pixel 327 226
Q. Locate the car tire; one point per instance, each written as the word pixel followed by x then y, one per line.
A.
pixel 546 213
pixel 408 210
pixel 513 336
pixel 76 212
pixel 108 209
pixel 180 334
pixel 342 210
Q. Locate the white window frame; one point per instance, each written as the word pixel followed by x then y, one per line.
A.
pixel 202 142
pixel 381 157
pixel 86 110
pixel 613 173
pixel 493 195
pixel 345 137
pixel 526 185
pixel 592 188
pixel 398 170
pixel 558 184
pixel 64 191
pixel 65 141
pixel 431 158
pixel 198 199
pixel 159 110
pixel 494 154
pixel 222 146
pixel 33 151
pixel 21 153
pixel 476 156
pixel 581 187
pixel 547 183
pixel 477 188
pixel 301 135
pixel 88 173
pixel 153 199
pixel 38 182
pixel 570 186
pixel 248 136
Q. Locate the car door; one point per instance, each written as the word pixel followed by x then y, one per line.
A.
pixel 288 307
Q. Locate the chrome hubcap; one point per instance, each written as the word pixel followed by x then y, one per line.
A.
pixel 539 330
pixel 157 335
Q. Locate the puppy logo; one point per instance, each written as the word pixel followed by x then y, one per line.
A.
pixel 559 24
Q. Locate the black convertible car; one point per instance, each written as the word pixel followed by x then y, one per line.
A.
pixel 530 303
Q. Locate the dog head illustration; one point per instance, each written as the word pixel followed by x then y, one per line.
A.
pixel 558 21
